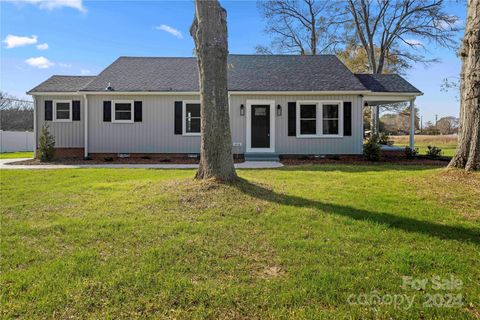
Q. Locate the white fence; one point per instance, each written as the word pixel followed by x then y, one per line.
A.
pixel 11 141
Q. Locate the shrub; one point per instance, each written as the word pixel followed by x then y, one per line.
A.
pixel 411 153
pixel 384 139
pixel 371 149
pixel 434 152
pixel 46 145
pixel 108 159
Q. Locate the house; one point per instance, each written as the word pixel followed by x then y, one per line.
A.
pixel 279 105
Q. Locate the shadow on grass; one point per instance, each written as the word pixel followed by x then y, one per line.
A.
pixel 392 221
pixel 361 167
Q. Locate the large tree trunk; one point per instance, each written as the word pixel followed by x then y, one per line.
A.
pixel 209 31
pixel 467 155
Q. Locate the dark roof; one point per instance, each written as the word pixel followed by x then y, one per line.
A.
pixel 245 73
pixel 386 83
pixel 63 84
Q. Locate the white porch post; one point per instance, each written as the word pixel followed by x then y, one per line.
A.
pixel 35 135
pixel 412 123
pixel 85 137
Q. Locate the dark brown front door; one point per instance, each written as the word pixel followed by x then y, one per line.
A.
pixel 260 126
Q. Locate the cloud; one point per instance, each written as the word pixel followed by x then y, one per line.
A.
pixel 12 41
pixel 55 4
pixel 85 72
pixel 42 46
pixel 172 31
pixel 39 62
pixel 414 42
pixel 65 65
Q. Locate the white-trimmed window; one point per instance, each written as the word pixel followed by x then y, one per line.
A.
pixel 319 119
pixel 191 118
pixel 62 110
pixel 122 111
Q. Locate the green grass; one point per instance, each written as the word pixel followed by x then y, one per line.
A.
pixel 13 155
pixel 448 143
pixel 295 242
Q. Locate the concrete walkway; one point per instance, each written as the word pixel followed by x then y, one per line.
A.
pixel 244 165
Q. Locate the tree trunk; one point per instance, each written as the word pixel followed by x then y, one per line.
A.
pixel 209 31
pixel 467 155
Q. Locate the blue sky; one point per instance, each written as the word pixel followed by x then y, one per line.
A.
pixel 72 37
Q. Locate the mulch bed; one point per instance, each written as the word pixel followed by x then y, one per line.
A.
pixel 71 161
pixel 353 159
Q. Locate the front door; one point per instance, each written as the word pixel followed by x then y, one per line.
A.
pixel 260 126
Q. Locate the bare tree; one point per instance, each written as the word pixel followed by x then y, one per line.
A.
pixel 15 114
pixel 448 125
pixel 467 155
pixel 399 29
pixel 209 31
pixel 296 26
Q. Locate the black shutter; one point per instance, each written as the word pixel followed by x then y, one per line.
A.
pixel 292 118
pixel 48 110
pixel 76 110
pixel 178 117
pixel 107 111
pixel 137 117
pixel 347 118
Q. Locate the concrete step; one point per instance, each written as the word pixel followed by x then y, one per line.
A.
pixel 261 157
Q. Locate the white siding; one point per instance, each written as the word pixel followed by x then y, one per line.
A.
pixel 155 134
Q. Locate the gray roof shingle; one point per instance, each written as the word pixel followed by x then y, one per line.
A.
pixel 63 84
pixel 386 83
pixel 245 73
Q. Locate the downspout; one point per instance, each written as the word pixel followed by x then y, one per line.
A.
pixel 35 135
pixel 85 130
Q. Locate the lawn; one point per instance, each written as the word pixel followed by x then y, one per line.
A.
pixel 13 155
pixel 297 242
pixel 448 143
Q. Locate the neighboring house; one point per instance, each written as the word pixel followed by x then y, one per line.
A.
pixel 279 105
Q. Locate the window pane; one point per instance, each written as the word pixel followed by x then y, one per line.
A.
pixel 308 126
pixel 63 106
pixel 192 109
pixel 330 126
pixel 122 107
pixel 330 110
pixel 123 116
pixel 63 115
pixel 192 125
pixel 308 111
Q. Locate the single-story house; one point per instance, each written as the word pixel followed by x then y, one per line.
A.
pixel 279 105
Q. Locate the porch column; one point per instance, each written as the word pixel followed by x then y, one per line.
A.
pixel 85 130
pixel 35 124
pixel 412 123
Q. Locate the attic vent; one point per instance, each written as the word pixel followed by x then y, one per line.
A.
pixel 109 87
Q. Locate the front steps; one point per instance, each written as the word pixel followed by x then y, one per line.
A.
pixel 261 157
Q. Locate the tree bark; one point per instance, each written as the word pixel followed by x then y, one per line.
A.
pixel 467 155
pixel 209 31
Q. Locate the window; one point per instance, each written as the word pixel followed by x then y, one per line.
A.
pixel 319 119
pixel 63 111
pixel 122 111
pixel 191 116
pixel 308 119
pixel 330 118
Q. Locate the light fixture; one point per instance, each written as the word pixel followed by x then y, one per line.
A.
pixel 242 110
pixel 279 110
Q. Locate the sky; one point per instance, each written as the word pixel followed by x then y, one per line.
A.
pixel 40 38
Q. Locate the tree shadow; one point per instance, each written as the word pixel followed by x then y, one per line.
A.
pixel 357 167
pixel 392 221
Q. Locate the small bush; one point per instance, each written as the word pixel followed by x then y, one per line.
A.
pixel 434 152
pixel 46 145
pixel 384 139
pixel 411 153
pixel 371 149
pixel 145 157
pixel 108 159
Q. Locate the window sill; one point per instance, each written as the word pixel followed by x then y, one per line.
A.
pixel 122 121
pixel 319 136
pixel 66 120
pixel 191 134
